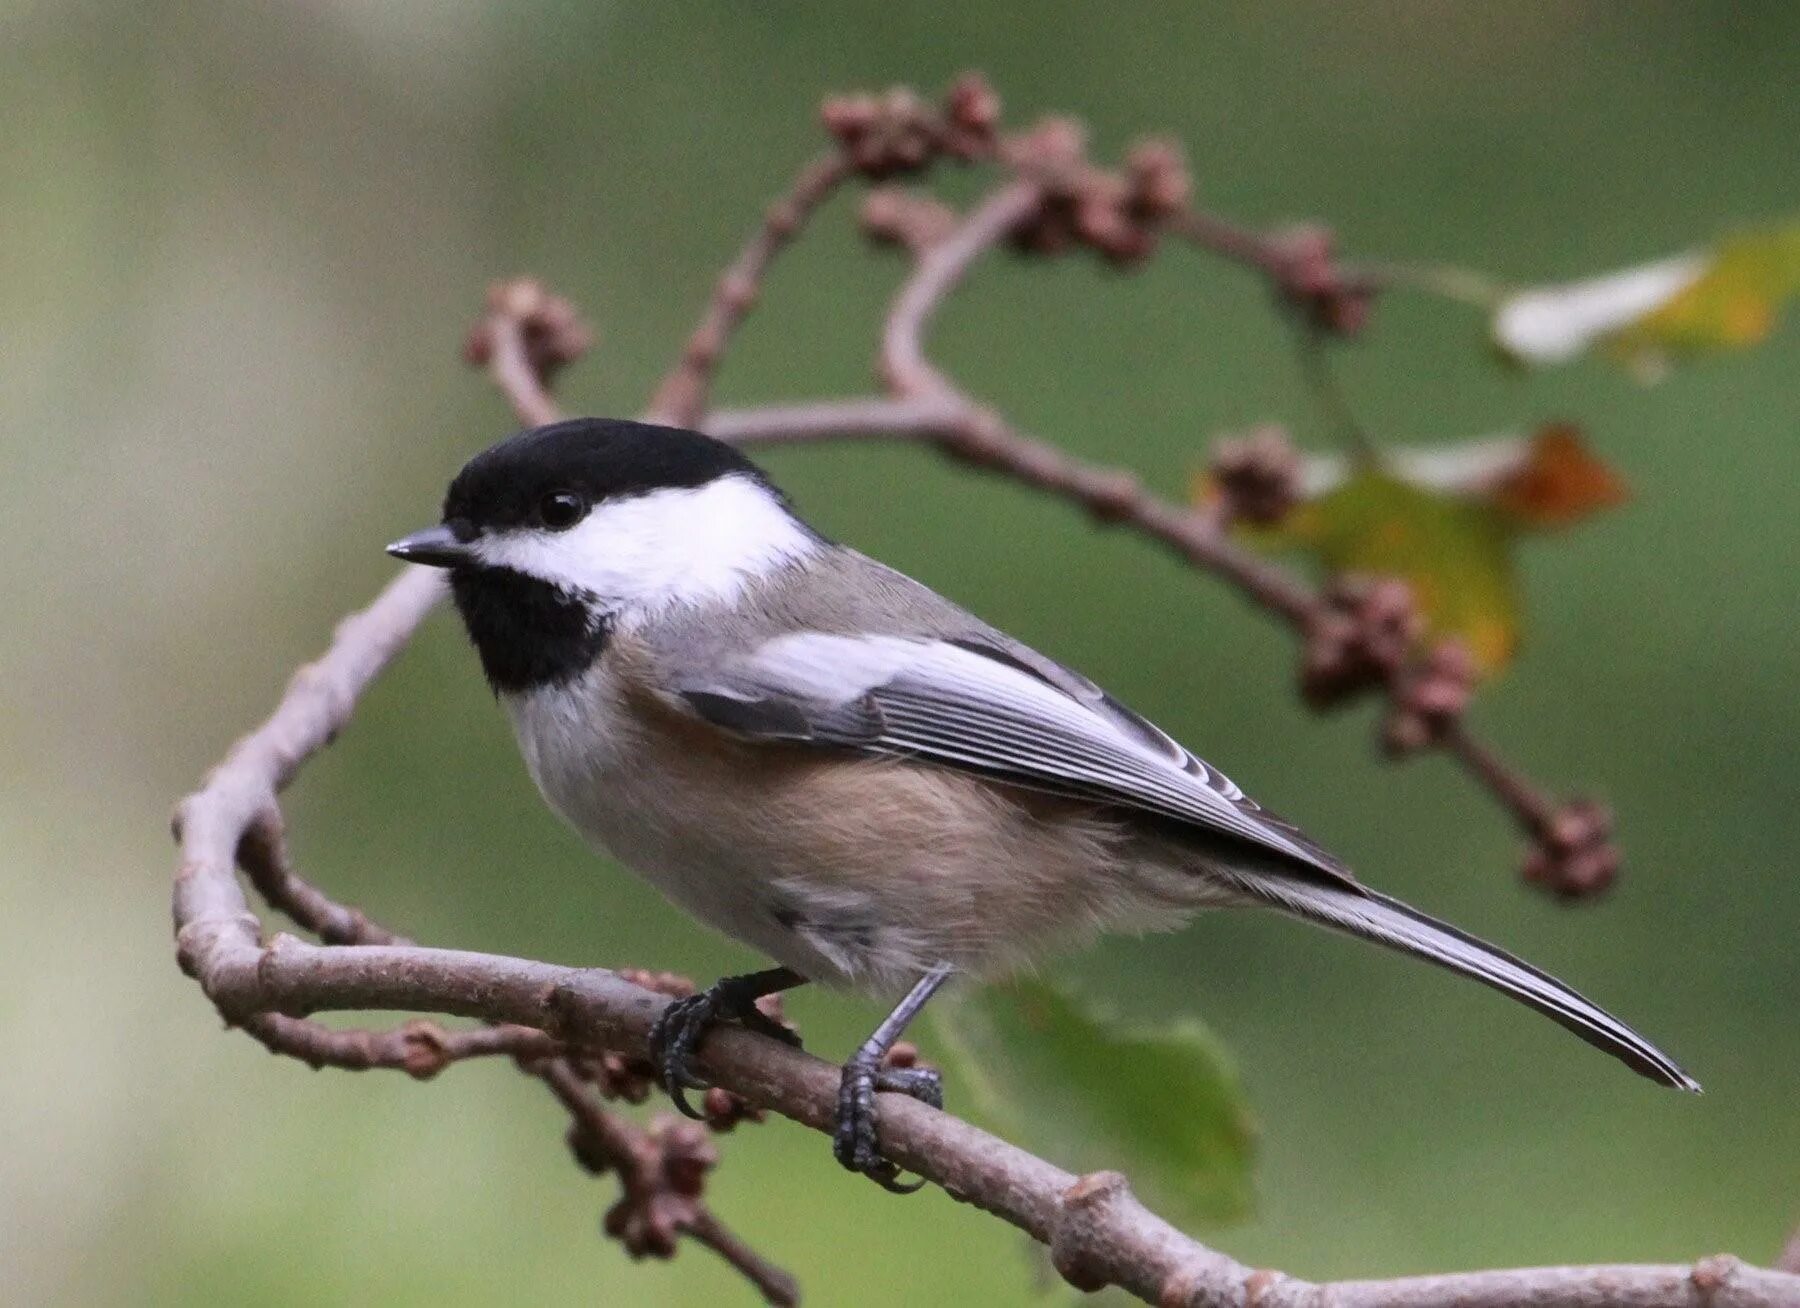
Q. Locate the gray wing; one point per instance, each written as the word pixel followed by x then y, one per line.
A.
pixel 982 704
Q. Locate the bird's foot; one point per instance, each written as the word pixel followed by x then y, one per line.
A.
pixel 684 1024
pixel 854 1139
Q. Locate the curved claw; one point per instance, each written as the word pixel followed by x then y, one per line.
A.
pixel 854 1141
pixel 672 1043
pixel 684 1023
pixel 678 1097
pixel 886 1175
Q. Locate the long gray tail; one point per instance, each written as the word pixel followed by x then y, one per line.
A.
pixel 1362 912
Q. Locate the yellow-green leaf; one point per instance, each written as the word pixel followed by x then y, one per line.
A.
pixel 1164 1105
pixel 1736 303
pixel 1452 550
pixel 1728 296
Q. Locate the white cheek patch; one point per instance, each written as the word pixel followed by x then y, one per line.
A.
pixel 674 546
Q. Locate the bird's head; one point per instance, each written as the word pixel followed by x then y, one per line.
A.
pixel 559 534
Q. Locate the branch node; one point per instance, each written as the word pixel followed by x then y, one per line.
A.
pixel 1257 475
pixel 1572 854
pixel 1080 1211
pixel 1358 640
pixel 551 331
pixel 1309 276
pixel 1428 697
pixel 1711 1275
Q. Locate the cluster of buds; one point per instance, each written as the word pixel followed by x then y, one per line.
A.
pixel 662 1194
pixel 553 333
pixel 1120 214
pixel 1574 855
pixel 898 132
pixel 723 1110
pixel 1306 270
pixel 1257 475
pixel 619 1077
pixel 1365 631
pixel 1429 696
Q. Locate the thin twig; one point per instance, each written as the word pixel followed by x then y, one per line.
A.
pixel 419 1048
pixel 977 435
pixel 873 417
pixel 1315 370
pixel 512 372
pixel 682 397
pixel 939 271
pixel 1230 240
pixel 1533 809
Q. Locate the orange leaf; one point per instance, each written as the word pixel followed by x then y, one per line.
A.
pixel 1560 481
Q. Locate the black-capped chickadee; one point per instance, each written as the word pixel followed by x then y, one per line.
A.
pixel 833 764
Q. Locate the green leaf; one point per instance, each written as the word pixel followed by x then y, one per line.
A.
pixel 1163 1106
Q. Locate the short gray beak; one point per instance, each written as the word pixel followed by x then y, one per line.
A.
pixel 435 547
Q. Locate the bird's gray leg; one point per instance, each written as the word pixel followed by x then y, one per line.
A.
pixel 683 1024
pixel 854 1138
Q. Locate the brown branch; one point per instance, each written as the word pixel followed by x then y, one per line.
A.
pixel 682 397
pixel 419 1048
pixel 872 417
pixel 1300 264
pixel 319 699
pixel 661 1172
pixel 1530 806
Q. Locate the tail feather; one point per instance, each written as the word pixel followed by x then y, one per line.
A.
pixel 1375 917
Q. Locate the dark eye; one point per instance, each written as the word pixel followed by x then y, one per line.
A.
pixel 561 510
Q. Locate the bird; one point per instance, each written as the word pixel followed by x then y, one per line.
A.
pixel 836 766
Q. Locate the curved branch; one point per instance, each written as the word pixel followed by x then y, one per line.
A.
pixel 1097 1231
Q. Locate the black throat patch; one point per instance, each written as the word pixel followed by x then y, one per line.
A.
pixel 528 632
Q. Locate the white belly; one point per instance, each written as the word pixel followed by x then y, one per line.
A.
pixel 594 767
pixel 853 872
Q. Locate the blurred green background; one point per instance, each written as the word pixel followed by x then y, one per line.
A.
pixel 240 247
